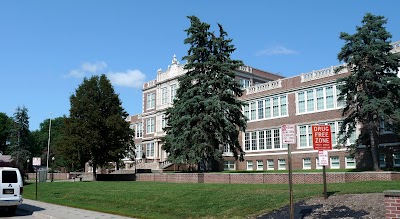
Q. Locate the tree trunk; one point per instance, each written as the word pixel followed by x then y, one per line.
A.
pixel 94 172
pixel 373 136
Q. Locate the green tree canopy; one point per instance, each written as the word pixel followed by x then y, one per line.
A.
pixel 41 137
pixel 20 140
pixel 6 124
pixel 371 91
pixel 206 115
pixel 96 129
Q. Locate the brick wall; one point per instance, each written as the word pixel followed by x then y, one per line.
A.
pixel 267 178
pixel 392 204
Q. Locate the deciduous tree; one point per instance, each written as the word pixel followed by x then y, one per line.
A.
pixel 97 127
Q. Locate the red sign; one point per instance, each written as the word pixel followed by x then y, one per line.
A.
pixel 322 139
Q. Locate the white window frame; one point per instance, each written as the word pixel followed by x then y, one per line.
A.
pixel 317 166
pixel 173 89
pixel 396 156
pixel 331 162
pixel 139 130
pixel 280 163
pixel 150 150
pixel 260 165
pixel 253 112
pixel 307 161
pixel 252 140
pixel 229 165
pixel 349 160
pixel 311 96
pixel 151 101
pixel 249 165
pixel 269 166
pixel 164 95
pixel 150 125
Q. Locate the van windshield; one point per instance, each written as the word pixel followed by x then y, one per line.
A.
pixel 9 176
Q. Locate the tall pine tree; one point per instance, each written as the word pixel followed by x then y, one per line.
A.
pixel 206 115
pixel 96 127
pixel 371 91
pixel 20 137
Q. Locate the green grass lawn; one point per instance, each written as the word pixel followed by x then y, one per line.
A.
pixel 178 200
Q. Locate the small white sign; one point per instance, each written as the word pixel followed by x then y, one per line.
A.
pixel 36 161
pixel 288 134
pixel 323 158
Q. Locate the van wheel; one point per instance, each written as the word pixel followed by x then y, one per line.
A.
pixel 11 210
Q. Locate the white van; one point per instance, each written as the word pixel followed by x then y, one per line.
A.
pixel 11 188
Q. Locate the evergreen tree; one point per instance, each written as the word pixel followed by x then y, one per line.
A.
pixel 371 91
pixel 96 129
pixel 20 137
pixel 5 131
pixel 206 115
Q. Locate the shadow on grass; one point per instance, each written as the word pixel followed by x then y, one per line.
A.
pixel 301 210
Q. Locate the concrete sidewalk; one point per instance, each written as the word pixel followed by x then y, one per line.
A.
pixel 52 211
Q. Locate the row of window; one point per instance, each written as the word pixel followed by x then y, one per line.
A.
pixel 350 163
pixel 167 94
pixel 396 160
pixel 149 150
pixel 269 107
pixel 270 139
pixel 307 101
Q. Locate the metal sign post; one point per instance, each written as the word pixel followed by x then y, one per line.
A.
pixel 36 161
pixel 322 141
pixel 289 137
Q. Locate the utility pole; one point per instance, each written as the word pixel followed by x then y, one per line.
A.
pixel 48 145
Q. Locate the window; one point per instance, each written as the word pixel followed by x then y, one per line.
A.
pixel 260 109
pixel 173 92
pixel 9 176
pixel 164 95
pixel 260 165
pixel 244 83
pixel 396 159
pixel 261 140
pixel 139 130
pixel 229 165
pixel 301 102
pixel 270 164
pixel 267 108
pixel 151 99
pixel 333 133
pixel 150 149
pixel 306 163
pixel 150 125
pixel 281 164
pixel 317 165
pixel 247 111
pixel 350 162
pixel 139 151
pixel 303 136
pixel 275 107
pixel 247 141
pixel 163 121
pixel 254 141
pixel 335 163
pixel 329 97
pixel 283 105
pixel 252 110
pixel 268 139
pixel 277 138
pixel 382 160
pixel 249 165
pixel 310 100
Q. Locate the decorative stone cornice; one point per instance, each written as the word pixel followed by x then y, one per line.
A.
pixel 263 87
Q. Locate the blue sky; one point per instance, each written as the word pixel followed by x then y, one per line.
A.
pixel 47 47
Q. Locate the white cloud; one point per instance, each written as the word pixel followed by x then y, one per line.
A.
pixel 277 50
pixel 93 67
pixel 86 69
pixel 130 78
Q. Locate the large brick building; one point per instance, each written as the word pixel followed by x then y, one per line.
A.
pixel 272 101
